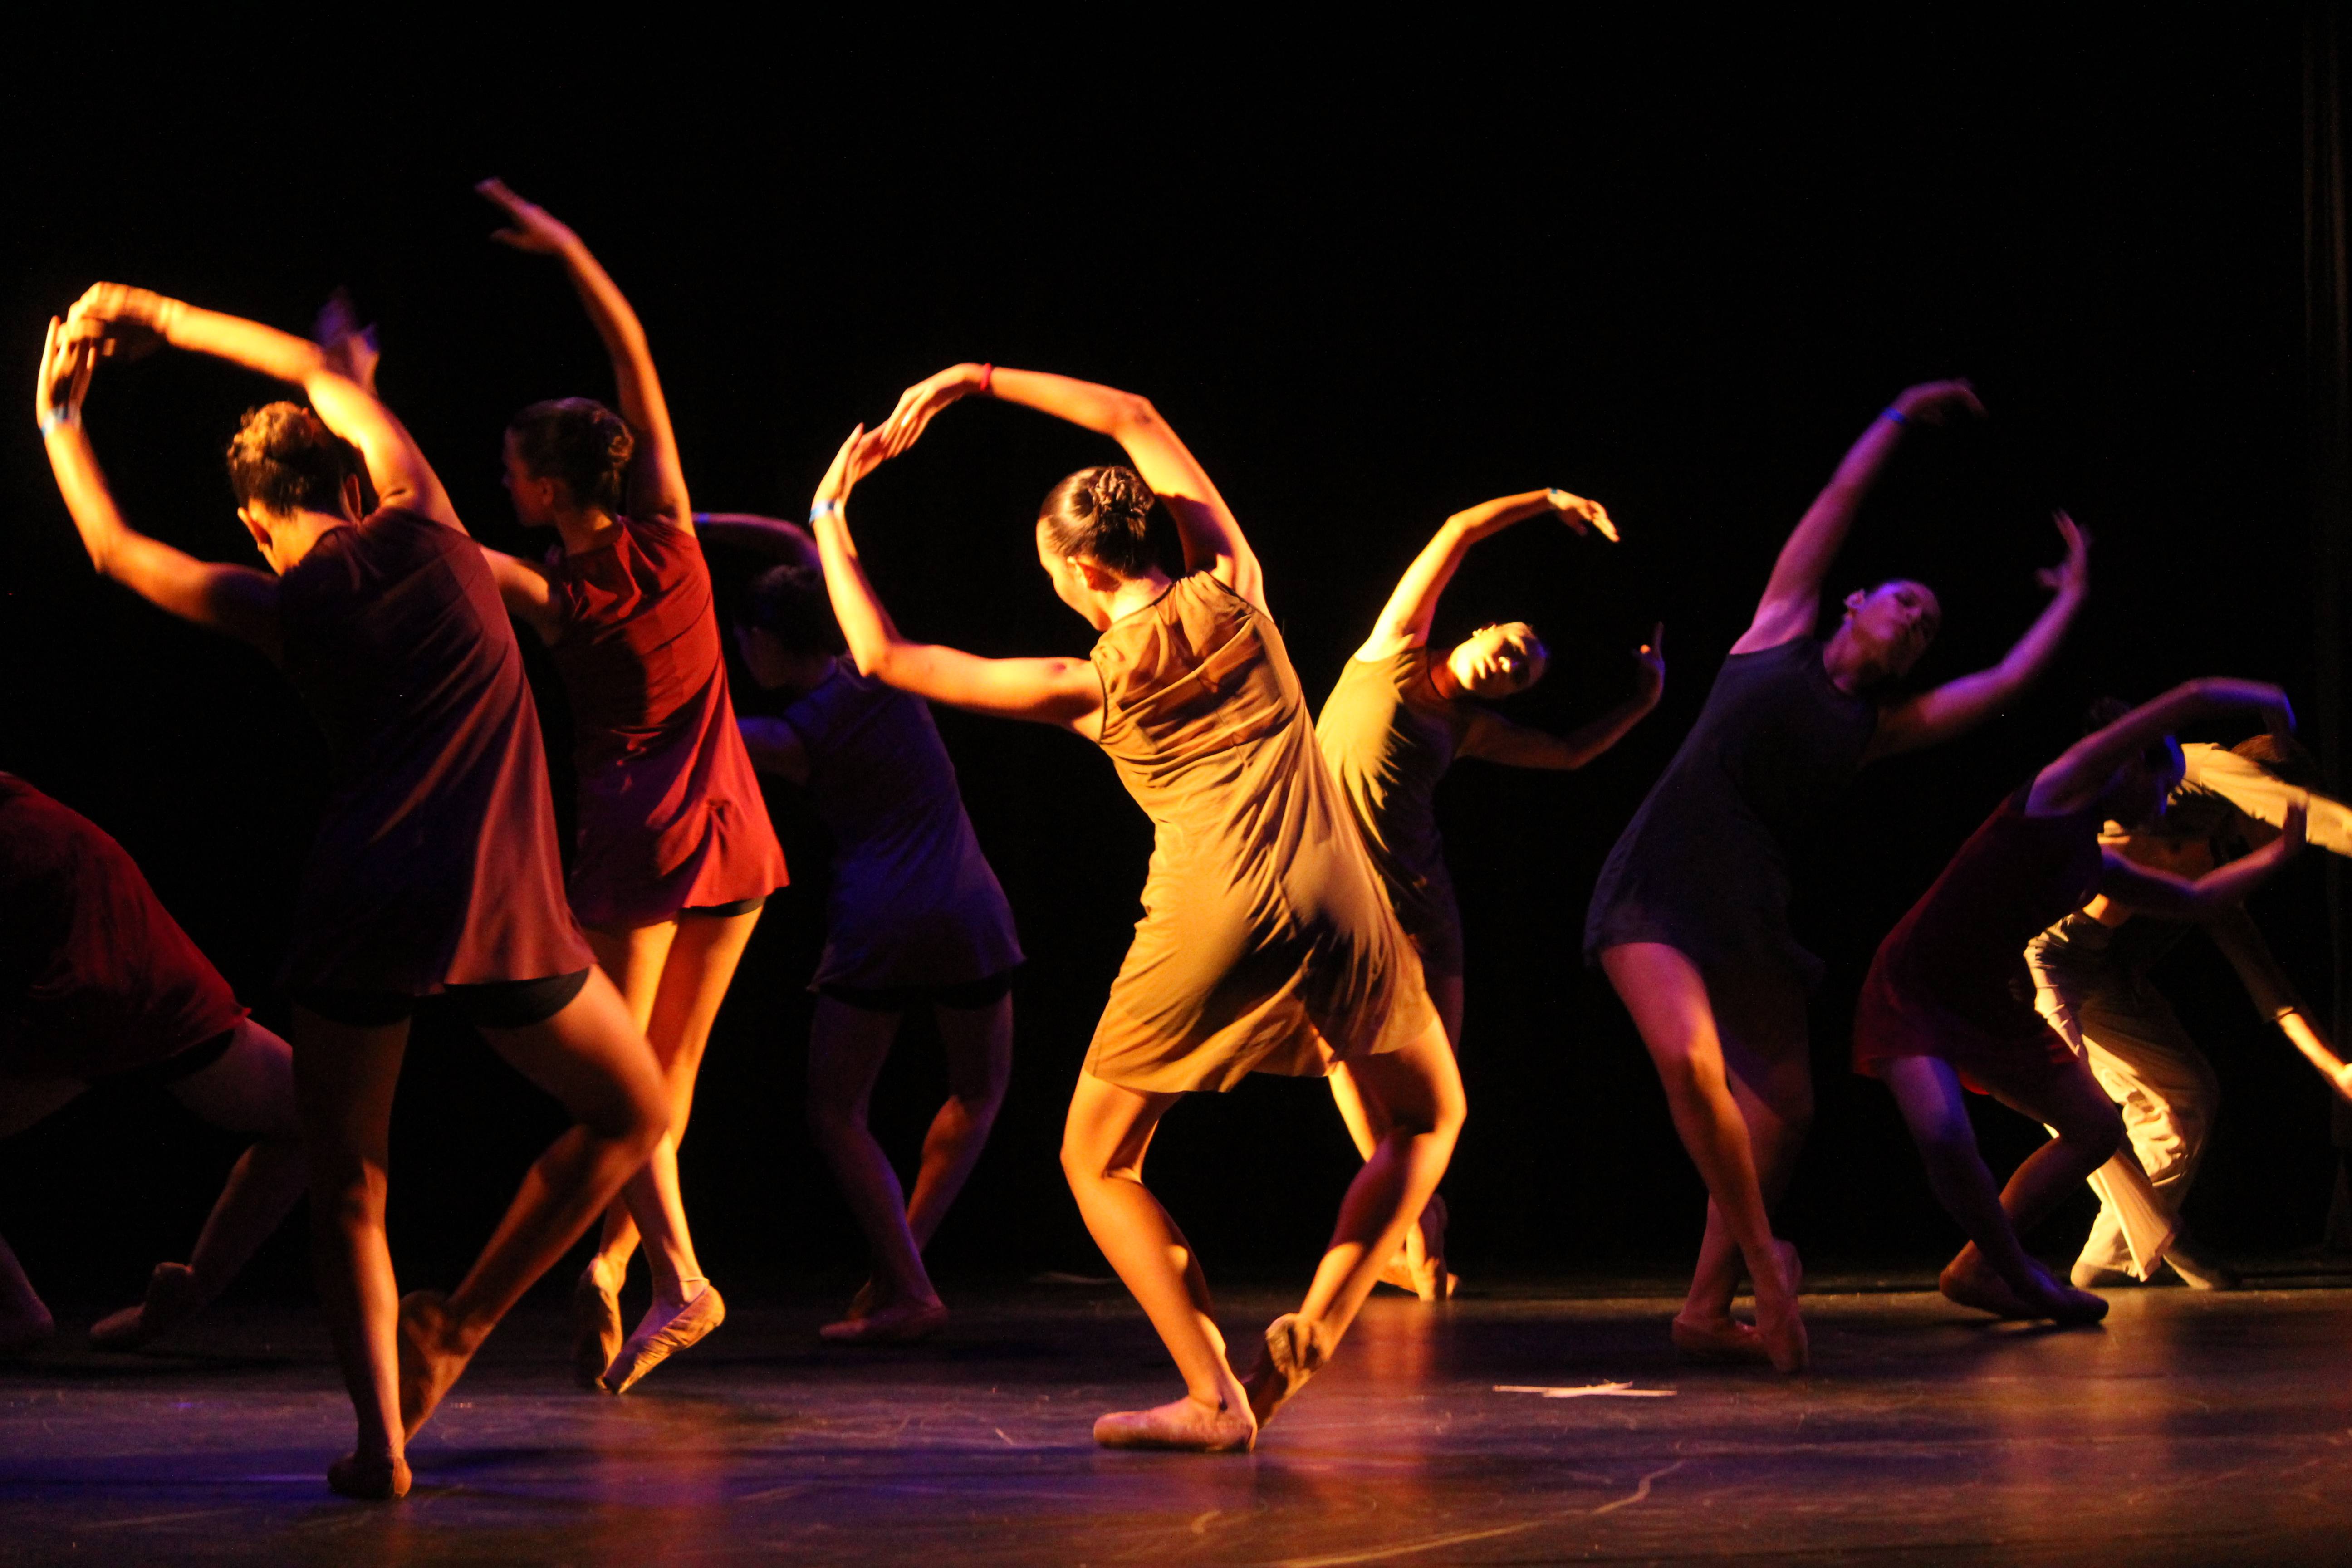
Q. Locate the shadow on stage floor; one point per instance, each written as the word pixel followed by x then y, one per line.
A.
pixel 1529 1422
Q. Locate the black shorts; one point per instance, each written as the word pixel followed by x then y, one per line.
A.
pixel 494 1004
pixel 968 993
pixel 726 910
pixel 181 1064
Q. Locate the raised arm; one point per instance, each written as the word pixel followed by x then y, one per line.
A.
pixel 1933 717
pixel 1212 540
pixel 2144 889
pixel 1792 596
pixel 112 314
pixel 656 480
pixel 769 536
pixel 1063 692
pixel 237 600
pixel 1497 740
pixel 2083 770
pixel 1404 620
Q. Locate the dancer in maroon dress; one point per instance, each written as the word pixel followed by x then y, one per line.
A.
pixel 99 985
pixel 675 853
pixel 1949 1001
pixel 434 868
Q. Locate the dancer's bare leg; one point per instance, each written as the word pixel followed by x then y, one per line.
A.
pixel 1419 1265
pixel 250 1090
pixel 848 1046
pixel 24 1320
pixel 1416 1094
pixel 1934 1108
pixel 633 958
pixel 1767 1062
pixel 344 1075
pixel 978 1042
pixel 1103 1144
pixel 1668 1000
pixel 593 1059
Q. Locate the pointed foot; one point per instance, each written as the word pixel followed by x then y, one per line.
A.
pixel 428 1364
pixel 596 1334
pixel 899 1323
pixel 661 1333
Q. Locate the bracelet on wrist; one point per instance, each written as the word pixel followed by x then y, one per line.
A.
pixel 1891 412
pixel 55 419
pixel 823 509
pixel 988 380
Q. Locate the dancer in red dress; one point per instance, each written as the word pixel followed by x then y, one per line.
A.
pixel 99 985
pixel 675 854
pixel 1949 1001
pixel 434 868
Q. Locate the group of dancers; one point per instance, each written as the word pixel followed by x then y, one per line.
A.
pixel 1298 915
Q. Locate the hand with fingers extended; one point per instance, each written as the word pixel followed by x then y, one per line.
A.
pixel 1651 657
pixel 351 349
pixel 859 455
pixel 117 320
pixel 920 404
pixel 1583 515
pixel 2071 576
pixel 1936 402
pixel 534 228
pixel 64 378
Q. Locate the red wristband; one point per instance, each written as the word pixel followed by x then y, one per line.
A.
pixel 987 375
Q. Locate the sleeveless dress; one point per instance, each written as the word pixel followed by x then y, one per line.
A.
pixel 436 862
pixel 96 978
pixel 914 902
pixel 1703 868
pixel 1265 934
pixel 1387 738
pixel 1950 980
pixel 670 812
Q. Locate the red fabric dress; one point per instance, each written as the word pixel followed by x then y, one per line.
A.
pixel 437 862
pixel 1950 981
pixel 96 978
pixel 670 812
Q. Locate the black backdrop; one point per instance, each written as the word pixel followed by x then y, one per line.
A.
pixel 1369 287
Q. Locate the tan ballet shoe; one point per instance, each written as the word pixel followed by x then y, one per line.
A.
pixel 1779 1324
pixel 1293 1352
pixel 171 1299
pixel 899 1323
pixel 1723 1340
pixel 659 1338
pixel 427 1367
pixel 595 1329
pixel 375 1478
pixel 1182 1424
pixel 1969 1282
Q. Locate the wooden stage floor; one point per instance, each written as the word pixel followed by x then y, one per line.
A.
pixel 2191 1428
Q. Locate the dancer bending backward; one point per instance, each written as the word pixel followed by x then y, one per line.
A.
pixel 434 868
pixel 99 985
pixel 675 855
pixel 915 918
pixel 1400 716
pixel 1689 919
pixel 1266 945
pixel 1947 1000
pixel 2091 975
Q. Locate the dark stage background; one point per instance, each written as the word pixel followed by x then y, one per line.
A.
pixel 1369 293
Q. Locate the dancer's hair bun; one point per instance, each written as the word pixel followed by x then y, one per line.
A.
pixel 1103 514
pixel 581 442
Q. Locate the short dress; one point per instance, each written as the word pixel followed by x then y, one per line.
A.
pixel 671 812
pixel 914 902
pixel 96 978
pixel 1387 738
pixel 1266 943
pixel 1704 865
pixel 436 862
pixel 1950 980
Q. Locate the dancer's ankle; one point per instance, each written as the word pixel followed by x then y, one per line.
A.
pixel 677 1289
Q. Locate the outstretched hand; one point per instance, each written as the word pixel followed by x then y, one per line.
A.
pixel 351 349
pixel 64 379
pixel 920 404
pixel 1583 515
pixel 865 451
pixel 2071 576
pixel 1651 680
pixel 534 228
pixel 1935 402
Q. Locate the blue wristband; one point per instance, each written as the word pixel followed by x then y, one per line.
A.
pixel 1891 412
pixel 54 418
pixel 823 509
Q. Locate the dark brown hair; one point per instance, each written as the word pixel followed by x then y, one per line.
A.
pixel 579 441
pixel 789 603
pixel 1101 514
pixel 284 459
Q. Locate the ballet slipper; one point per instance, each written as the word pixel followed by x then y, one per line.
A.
pixel 1779 1325
pixel 1424 1246
pixel 1183 1424
pixel 595 1328
pixel 1970 1281
pixel 659 1337
pixel 2198 1272
pixel 171 1299
pixel 427 1367
pixel 1723 1338
pixel 899 1323
pixel 2062 1303
pixel 1294 1352
pixel 2098 1277
pixel 373 1478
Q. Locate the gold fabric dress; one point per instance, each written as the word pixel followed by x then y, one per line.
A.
pixel 1266 943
